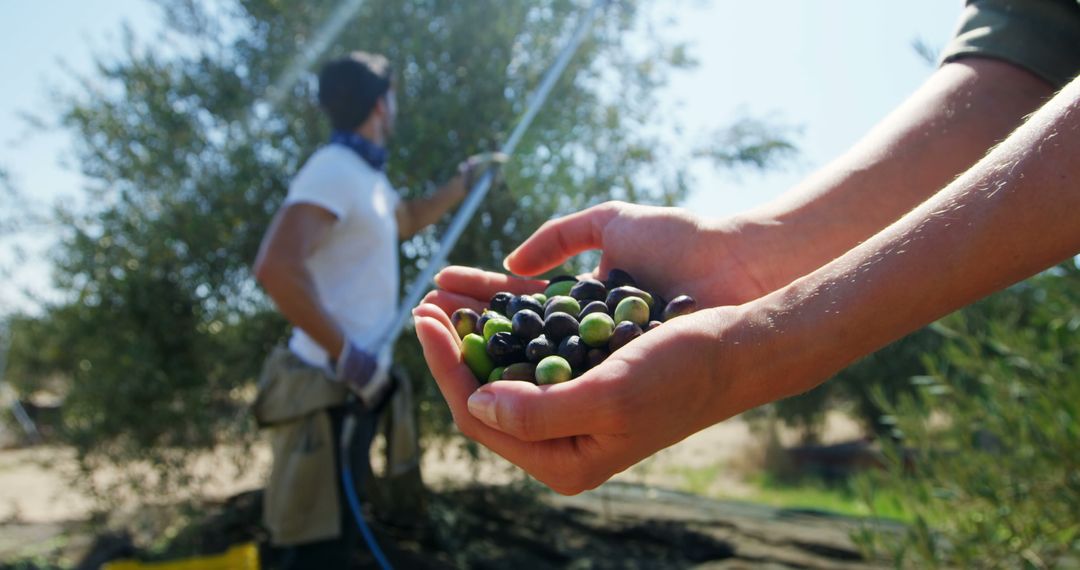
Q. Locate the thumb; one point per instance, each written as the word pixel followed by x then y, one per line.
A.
pixel 558 240
pixel 529 412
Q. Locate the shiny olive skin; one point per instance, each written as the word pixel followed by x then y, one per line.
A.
pixel 505 349
pixel 562 304
pixel 499 300
pixel 553 370
pixel 679 306
pixel 619 293
pixel 593 307
pixel 587 290
pixel 595 329
pixel 559 326
pixel 557 288
pixel 652 325
pixel 574 351
pixel 625 332
pixel 484 318
pixel 474 353
pixel 464 321
pixel 527 325
pixel 538 349
pixel 522 302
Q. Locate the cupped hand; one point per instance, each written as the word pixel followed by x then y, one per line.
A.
pixel 658 389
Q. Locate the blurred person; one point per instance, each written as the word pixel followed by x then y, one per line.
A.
pixel 329 261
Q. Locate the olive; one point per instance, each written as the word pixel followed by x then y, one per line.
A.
pixel 595 329
pixel 538 349
pixel 499 301
pixel 652 325
pixel 679 306
pixel 540 298
pixel 589 290
pixel 527 325
pixel 595 357
pixel 619 293
pixel 558 326
pixel 496 324
pixel 562 304
pixel 484 318
pixel 552 370
pixel 561 278
pixel 656 308
pixel 574 351
pixel 523 302
pixel 559 288
pixel 520 371
pixel 464 321
pixel 624 332
pixel 593 307
pixel 496 373
pixel 619 278
pixel 504 349
pixel 474 352
pixel 632 309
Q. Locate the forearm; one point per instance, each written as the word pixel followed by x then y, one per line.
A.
pixel 293 291
pixel 1012 215
pixel 939 132
pixel 422 212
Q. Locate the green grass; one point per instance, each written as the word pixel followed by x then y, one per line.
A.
pixel 807 493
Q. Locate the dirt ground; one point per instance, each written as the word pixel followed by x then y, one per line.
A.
pixel 36 503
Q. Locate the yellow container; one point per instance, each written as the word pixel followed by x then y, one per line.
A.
pixel 239 557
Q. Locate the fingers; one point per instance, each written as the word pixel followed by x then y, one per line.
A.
pixel 536 413
pixel 558 240
pixel 450 302
pixel 481 285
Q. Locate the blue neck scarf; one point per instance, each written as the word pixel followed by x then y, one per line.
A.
pixel 372 153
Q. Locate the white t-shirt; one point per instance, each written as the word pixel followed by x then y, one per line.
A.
pixel 355 268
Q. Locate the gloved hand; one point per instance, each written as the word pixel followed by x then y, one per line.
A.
pixel 477 164
pixel 365 374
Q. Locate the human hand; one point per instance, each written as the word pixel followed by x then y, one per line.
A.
pixel 658 389
pixel 364 374
pixel 667 250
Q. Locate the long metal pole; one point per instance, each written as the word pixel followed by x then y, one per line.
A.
pixel 420 285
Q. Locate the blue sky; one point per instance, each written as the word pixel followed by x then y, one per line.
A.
pixel 832 68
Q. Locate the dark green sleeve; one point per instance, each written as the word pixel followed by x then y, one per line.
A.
pixel 1042 36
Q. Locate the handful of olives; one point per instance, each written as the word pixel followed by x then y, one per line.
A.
pixel 551 337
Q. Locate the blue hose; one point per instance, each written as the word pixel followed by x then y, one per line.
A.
pixel 354 506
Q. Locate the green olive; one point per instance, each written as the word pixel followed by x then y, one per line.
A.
pixel 632 309
pixel 497 325
pixel 553 370
pixel 559 288
pixel 595 329
pixel 474 352
pixel 496 373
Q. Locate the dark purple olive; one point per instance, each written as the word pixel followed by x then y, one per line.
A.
pixel 464 321
pixel 595 357
pixel 574 351
pixel 679 306
pixel 520 371
pixel 559 278
pixel 589 290
pixel 559 326
pixel 619 293
pixel 499 301
pixel 652 325
pixel 625 332
pixel 593 307
pixel 522 302
pixel 538 349
pixel 656 308
pixel 505 349
pixel 484 318
pixel 619 278
pixel 527 325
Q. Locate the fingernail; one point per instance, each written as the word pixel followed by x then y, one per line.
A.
pixel 506 263
pixel 482 407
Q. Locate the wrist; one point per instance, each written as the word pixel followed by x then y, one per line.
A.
pixel 762 246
